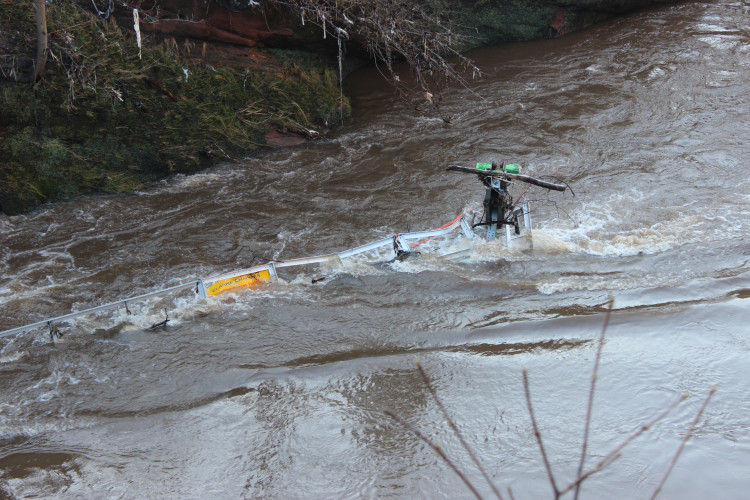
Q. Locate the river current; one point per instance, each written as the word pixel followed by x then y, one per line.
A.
pixel 281 391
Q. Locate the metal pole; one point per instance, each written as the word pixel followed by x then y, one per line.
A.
pixel 111 305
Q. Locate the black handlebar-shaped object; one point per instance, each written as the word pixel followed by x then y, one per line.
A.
pixel 508 176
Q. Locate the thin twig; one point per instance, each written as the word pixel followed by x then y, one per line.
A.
pixel 458 434
pixel 594 376
pixel 538 434
pixel 684 441
pixel 615 453
pixel 437 449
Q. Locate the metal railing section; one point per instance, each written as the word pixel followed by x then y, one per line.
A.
pixel 399 241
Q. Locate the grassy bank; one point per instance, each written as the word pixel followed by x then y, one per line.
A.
pixel 103 119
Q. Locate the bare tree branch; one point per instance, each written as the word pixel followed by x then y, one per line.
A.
pixel 684 441
pixel 590 405
pixel 458 434
pixel 396 30
pixel 615 453
pixel 538 435
pixel 437 449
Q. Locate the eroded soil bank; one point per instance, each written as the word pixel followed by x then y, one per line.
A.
pixel 208 82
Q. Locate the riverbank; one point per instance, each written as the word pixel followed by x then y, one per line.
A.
pixel 202 83
pixel 108 116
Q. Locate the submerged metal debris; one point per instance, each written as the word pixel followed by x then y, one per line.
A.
pixel 499 212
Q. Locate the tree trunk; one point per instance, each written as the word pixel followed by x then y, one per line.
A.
pixel 41 38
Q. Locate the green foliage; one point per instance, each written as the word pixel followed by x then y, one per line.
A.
pixel 495 21
pixel 485 22
pixel 104 120
pixel 17 106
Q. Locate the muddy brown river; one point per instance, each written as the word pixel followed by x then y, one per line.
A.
pixel 280 391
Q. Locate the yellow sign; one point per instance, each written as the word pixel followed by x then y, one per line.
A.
pixel 238 282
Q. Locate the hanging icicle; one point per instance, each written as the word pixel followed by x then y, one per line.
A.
pixel 137 27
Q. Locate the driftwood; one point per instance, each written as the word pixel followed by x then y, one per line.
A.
pixel 510 177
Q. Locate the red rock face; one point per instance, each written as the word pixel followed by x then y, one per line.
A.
pixel 224 32
pixel 558 26
pixel 280 139
pixel 199 19
pixel 226 35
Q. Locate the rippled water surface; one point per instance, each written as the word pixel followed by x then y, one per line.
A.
pixel 281 391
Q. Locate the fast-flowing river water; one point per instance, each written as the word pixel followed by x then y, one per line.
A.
pixel 281 391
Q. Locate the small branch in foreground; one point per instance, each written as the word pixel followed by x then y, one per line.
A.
pixel 684 441
pixel 590 405
pixel 458 434
pixel 437 449
pixel 615 454
pixel 538 434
